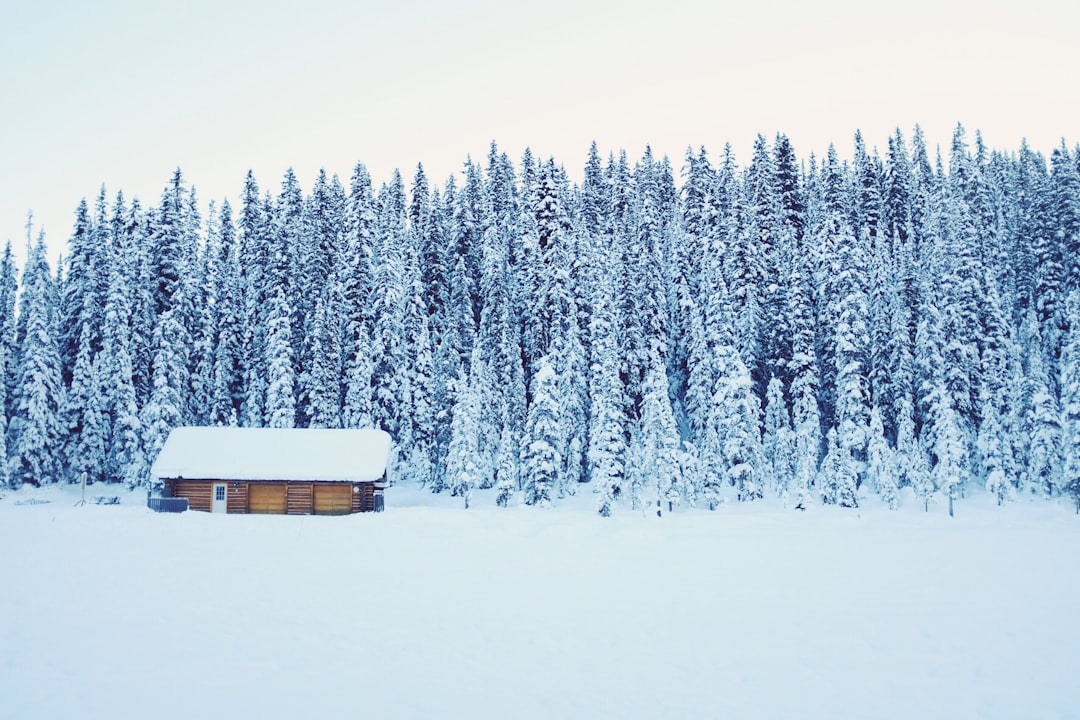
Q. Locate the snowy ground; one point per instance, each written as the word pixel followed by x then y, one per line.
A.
pixel 428 611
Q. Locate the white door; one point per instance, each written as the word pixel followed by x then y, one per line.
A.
pixel 218 504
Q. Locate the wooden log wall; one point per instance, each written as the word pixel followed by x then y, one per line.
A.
pixel 364 501
pixel 298 500
pixel 237 496
pixel 198 493
pixel 299 497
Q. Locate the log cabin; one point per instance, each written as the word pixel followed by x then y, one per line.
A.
pixel 275 471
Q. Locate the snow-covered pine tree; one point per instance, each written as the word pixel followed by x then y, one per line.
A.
pixel 992 448
pixel 734 418
pixel 851 317
pixel 166 407
pixel 881 464
pixel 86 430
pixel 281 382
pixel 227 372
pixel 659 449
pixel 1042 424
pixel 173 243
pixel 126 461
pixel 33 429
pixel 1065 203
pixel 778 440
pixel 205 320
pixel 254 249
pixel 9 351
pixel 607 419
pixel 463 459
pixel 357 411
pixel 839 474
pixel 1070 401
pixel 541 461
pixel 803 369
pixel 950 449
pixel 419 465
pixel 324 378
pixel 79 302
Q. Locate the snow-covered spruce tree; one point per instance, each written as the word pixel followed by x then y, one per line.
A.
pixel 289 230
pixel 701 381
pixel 607 419
pixel 9 351
pixel 992 451
pixel 840 282
pixel 173 243
pixel 390 362
pixel 734 424
pixel 508 456
pixel 995 461
pixel 86 428
pixel 915 462
pixel 881 470
pixel 166 408
pixel 225 293
pixel 1070 401
pixel 419 464
pixel 950 448
pixel 320 263
pixel 706 320
pixel 357 410
pixel 541 461
pixel 126 461
pixel 499 381
pixel 1042 424
pixel 778 440
pixel 573 382
pixel 204 327
pixel 1065 204
pixel 659 451
pixel 839 475
pixel 447 366
pixel 126 340
pixel 5 467
pixel 807 431
pixel 323 379
pixel 803 368
pixel 507 467
pixel 462 460
pixel 254 249
pixel 280 393
pixel 634 235
pixel 80 301
pixel 852 396
pixel 33 430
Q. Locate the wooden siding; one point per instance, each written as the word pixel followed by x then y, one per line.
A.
pixel 266 498
pixel 364 501
pixel 298 499
pixel 198 493
pixel 293 498
pixel 237 498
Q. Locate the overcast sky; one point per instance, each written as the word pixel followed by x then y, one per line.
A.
pixel 121 93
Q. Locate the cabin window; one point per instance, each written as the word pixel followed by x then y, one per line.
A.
pixel 219 493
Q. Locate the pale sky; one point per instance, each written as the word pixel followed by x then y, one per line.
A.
pixel 121 93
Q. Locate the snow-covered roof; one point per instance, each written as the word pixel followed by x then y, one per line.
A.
pixel 228 453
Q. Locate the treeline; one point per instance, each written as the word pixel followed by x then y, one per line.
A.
pixel 810 328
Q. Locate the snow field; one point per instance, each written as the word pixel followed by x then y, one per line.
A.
pixel 427 611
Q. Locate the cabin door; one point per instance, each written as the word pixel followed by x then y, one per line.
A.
pixel 219 504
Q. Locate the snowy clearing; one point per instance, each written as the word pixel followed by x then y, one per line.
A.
pixel 428 611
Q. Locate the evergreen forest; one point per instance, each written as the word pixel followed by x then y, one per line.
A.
pixel 817 329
